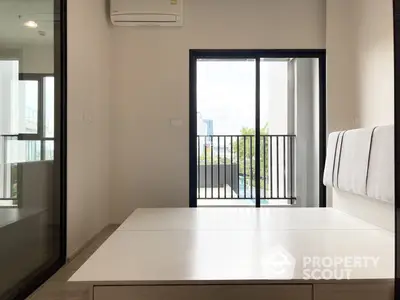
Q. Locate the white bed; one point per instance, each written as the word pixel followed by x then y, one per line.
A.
pixel 242 253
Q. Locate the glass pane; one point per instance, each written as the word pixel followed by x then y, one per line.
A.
pixel 226 132
pixel 49 106
pixel 25 112
pixel 275 141
pixel 290 123
pixel 30 230
pixel 49 150
pixel 10 108
pixel 22 151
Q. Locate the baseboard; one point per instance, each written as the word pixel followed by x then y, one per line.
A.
pixel 109 227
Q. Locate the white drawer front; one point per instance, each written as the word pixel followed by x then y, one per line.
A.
pixel 354 291
pixel 202 292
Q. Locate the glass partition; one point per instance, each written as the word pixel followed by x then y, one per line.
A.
pixel 32 226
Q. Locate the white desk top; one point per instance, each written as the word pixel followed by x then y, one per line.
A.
pixel 202 245
pixel 242 219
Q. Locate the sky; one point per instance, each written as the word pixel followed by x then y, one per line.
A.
pixel 226 92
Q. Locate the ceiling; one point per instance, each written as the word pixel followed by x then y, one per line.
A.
pixel 14 13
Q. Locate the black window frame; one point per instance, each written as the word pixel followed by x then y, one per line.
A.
pixel 396 32
pixel 40 135
pixel 257 55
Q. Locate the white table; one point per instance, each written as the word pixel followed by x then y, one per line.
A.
pixel 242 253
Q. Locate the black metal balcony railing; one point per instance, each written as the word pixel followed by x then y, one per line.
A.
pixel 226 167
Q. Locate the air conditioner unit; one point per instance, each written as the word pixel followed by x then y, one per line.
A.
pixel 146 12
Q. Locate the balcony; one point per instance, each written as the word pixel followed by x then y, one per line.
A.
pixel 15 150
pixel 226 170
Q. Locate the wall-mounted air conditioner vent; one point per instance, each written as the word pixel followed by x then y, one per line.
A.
pixel 147 12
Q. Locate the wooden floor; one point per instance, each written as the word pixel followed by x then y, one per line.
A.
pixel 57 288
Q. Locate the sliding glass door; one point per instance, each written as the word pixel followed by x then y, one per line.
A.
pixel 277 134
pixel 32 156
pixel 225 135
pixel 256 117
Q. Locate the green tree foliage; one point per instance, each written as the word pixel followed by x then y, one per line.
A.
pixel 247 149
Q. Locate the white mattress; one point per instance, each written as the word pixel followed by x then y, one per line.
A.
pixel 156 246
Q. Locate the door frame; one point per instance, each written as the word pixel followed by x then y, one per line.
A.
pixel 257 54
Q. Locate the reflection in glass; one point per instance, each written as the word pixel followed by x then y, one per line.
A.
pixel 30 230
pixel 49 150
pixel 27 106
pixel 49 106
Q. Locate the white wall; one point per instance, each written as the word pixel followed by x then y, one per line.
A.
pixel 37 58
pixel 375 62
pixel 33 58
pixel 150 85
pixel 341 76
pixel 360 82
pixel 360 55
pixel 88 121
